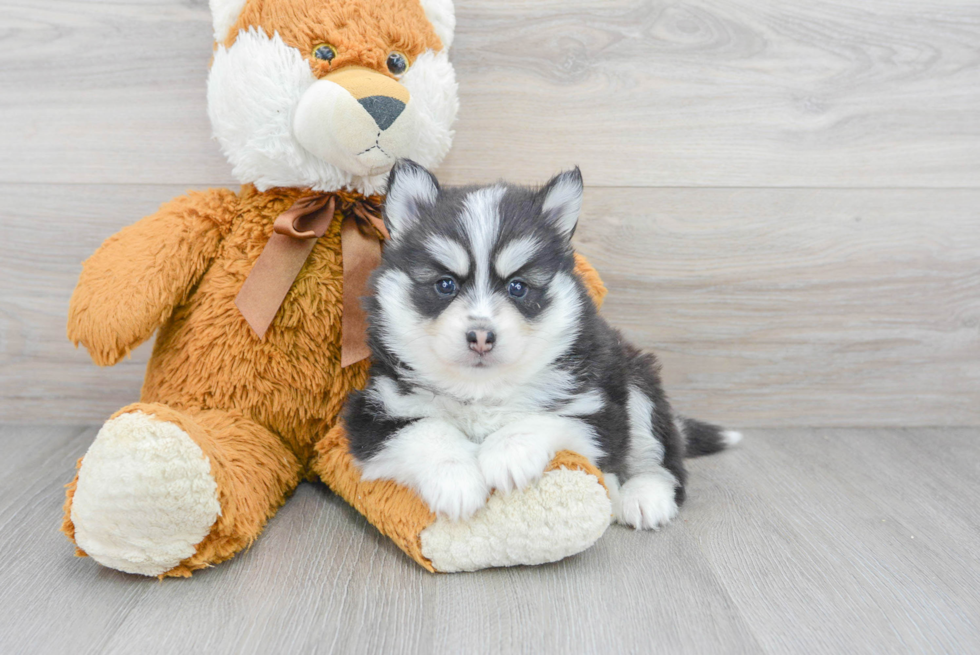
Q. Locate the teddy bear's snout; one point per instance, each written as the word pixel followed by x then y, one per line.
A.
pixel 357 119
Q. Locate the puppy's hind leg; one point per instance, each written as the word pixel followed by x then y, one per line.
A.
pixel 650 496
pixel 645 501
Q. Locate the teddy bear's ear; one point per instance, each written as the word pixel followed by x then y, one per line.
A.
pixel 410 187
pixel 224 13
pixel 442 15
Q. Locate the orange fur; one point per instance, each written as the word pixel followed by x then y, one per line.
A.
pixel 593 283
pixel 364 32
pixel 133 283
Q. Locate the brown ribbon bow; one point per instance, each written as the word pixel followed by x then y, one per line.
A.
pixel 294 234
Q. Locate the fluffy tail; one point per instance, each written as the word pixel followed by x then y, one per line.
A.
pixel 702 438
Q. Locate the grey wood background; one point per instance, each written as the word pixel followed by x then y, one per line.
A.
pixel 784 197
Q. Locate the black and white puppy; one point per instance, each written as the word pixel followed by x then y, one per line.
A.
pixel 489 357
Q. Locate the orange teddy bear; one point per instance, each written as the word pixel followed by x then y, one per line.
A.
pixel 254 298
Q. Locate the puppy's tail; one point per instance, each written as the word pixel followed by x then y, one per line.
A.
pixel 702 438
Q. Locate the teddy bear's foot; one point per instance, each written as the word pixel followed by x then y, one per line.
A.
pixel 166 492
pixel 145 496
pixel 561 514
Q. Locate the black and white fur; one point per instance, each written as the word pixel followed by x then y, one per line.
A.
pixel 453 418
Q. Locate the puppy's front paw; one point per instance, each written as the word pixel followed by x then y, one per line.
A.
pixel 454 489
pixel 512 460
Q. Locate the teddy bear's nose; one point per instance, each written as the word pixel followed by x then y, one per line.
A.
pixel 383 109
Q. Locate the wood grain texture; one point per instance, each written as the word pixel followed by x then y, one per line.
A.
pixel 799 541
pixel 820 521
pixel 640 93
pixel 767 306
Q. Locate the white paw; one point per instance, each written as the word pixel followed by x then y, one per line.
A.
pixel 454 489
pixel 145 496
pixel 513 460
pixel 646 502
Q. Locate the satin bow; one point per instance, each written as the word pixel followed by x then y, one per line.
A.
pixel 295 233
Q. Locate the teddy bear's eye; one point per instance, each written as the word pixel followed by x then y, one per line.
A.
pixel 397 63
pixel 325 52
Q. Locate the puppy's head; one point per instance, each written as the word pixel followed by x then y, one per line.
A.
pixel 476 290
pixel 328 94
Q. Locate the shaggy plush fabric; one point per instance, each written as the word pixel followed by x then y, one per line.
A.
pixel 146 496
pixel 262 70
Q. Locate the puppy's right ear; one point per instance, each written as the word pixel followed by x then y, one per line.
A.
pixel 410 188
pixel 562 201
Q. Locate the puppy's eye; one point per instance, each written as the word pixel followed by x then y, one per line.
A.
pixel 325 52
pixel 446 286
pixel 397 63
pixel 518 288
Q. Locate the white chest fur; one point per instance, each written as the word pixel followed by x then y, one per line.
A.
pixel 476 420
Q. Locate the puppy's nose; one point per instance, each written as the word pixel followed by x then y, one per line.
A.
pixel 481 341
pixel 383 109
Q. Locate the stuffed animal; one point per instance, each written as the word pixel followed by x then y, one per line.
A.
pixel 254 297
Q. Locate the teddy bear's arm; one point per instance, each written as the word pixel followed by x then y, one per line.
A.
pixel 590 277
pixel 136 279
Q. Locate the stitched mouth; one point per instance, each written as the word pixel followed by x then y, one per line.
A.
pixel 377 169
pixel 376 146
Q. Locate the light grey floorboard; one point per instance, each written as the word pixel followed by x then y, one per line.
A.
pixel 810 535
pixel 51 602
pixel 800 541
pixel 26 448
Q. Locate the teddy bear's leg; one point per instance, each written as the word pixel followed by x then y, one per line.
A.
pixel 562 514
pixel 163 492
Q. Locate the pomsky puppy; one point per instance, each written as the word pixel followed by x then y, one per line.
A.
pixel 489 357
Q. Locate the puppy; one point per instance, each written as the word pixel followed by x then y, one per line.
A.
pixel 490 357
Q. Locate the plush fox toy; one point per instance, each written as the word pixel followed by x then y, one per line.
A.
pixel 254 298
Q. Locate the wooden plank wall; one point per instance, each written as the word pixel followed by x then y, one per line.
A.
pixel 783 197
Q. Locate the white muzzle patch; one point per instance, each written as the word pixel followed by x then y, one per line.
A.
pixel 337 128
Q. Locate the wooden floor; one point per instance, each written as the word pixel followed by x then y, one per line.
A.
pixel 799 541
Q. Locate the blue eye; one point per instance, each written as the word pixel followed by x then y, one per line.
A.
pixel 446 286
pixel 518 288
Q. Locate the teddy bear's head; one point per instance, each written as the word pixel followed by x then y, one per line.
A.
pixel 328 94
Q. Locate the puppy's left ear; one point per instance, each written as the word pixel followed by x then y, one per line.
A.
pixel 561 201
pixel 410 188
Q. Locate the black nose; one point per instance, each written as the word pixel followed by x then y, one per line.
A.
pixel 481 340
pixel 383 109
